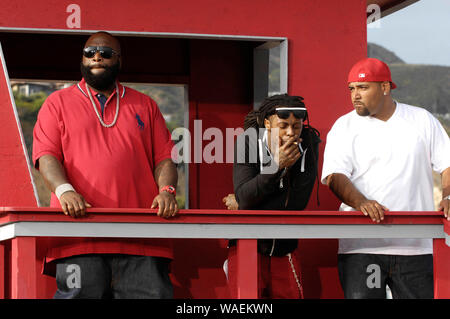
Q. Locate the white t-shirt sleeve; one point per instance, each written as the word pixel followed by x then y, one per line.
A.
pixel 439 146
pixel 337 155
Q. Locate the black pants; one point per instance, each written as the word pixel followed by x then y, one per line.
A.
pixel 97 276
pixel 365 276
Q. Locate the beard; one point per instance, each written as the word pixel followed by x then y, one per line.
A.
pixel 362 110
pixel 102 81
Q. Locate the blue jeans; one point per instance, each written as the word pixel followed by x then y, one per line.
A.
pixel 100 276
pixel 365 276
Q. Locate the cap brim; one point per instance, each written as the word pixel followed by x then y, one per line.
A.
pixel 393 85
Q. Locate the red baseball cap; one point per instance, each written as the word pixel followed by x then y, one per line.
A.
pixel 370 70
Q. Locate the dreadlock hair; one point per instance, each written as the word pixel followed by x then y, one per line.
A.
pixel 255 119
pixel 267 108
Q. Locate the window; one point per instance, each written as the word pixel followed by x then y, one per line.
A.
pixel 171 99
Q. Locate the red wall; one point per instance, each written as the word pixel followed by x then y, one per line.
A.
pixel 325 39
pixel 16 188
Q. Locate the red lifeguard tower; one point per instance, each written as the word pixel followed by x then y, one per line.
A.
pixel 219 51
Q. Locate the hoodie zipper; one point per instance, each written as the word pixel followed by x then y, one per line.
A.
pixel 288 191
pixel 285 204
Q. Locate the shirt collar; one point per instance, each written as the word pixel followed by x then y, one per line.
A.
pixel 83 88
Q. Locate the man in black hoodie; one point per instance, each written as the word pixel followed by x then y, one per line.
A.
pixel 275 167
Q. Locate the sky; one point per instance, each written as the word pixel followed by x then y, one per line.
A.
pixel 417 34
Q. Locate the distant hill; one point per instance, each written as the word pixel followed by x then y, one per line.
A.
pixel 383 54
pixel 423 85
pixel 427 86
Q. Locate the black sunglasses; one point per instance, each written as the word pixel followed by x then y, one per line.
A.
pixel 285 112
pixel 105 52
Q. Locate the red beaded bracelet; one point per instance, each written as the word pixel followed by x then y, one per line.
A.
pixel 170 189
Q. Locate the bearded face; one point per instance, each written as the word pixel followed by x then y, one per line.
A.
pixel 101 61
pixel 103 77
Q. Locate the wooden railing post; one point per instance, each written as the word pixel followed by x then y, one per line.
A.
pixel 23 268
pixel 247 269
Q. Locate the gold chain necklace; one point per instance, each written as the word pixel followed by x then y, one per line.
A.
pixel 96 111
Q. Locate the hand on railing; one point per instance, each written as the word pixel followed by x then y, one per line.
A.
pixel 373 209
pixel 230 202
pixel 166 204
pixel 73 204
pixel 444 206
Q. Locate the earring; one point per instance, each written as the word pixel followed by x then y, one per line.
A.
pixel 385 93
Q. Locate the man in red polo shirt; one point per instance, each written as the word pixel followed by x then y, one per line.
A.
pixel 100 144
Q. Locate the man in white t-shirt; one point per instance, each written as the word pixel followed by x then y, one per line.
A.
pixel 378 158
